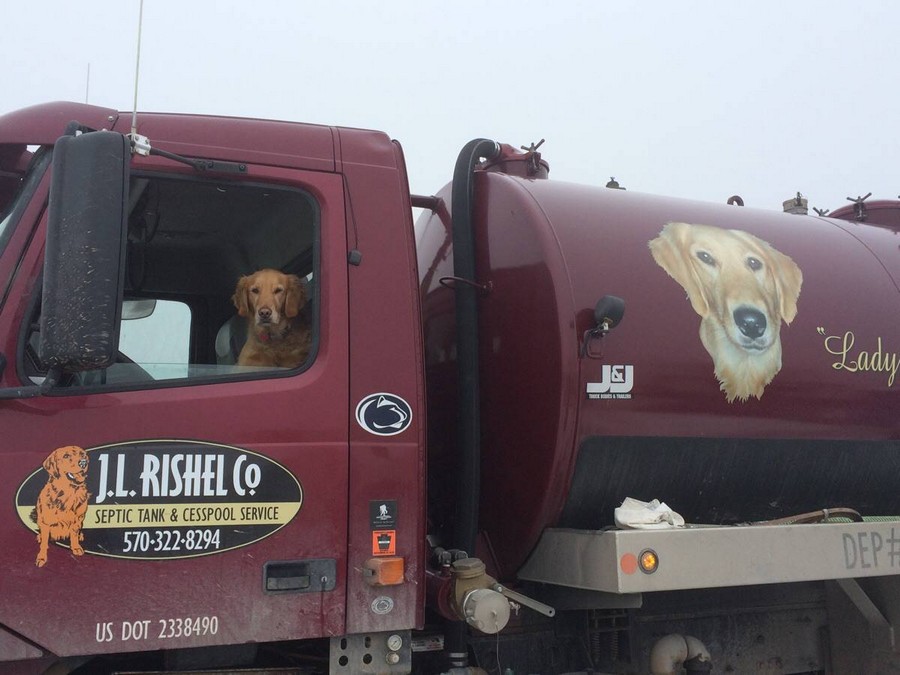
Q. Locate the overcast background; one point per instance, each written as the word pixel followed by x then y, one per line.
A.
pixel 691 99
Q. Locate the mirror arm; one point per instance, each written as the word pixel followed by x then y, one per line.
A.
pixel 32 391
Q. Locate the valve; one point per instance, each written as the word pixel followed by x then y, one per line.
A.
pixel 486 609
pixel 534 157
pixel 483 602
pixel 859 210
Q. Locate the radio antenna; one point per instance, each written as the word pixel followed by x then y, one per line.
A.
pixel 87 84
pixel 137 71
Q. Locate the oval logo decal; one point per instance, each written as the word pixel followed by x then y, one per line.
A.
pixel 155 499
pixel 383 414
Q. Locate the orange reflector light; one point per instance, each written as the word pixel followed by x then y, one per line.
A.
pixel 648 561
pixel 383 571
pixel 629 563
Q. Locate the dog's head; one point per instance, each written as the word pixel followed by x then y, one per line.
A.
pixel 733 278
pixel 69 461
pixel 270 297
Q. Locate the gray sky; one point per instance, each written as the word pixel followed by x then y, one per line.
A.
pixel 690 99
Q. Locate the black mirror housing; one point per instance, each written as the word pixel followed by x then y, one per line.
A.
pixel 84 267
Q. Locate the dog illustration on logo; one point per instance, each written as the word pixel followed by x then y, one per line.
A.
pixel 62 503
pixel 743 289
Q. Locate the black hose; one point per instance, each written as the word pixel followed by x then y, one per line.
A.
pixel 468 479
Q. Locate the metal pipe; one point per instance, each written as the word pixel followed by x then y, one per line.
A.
pixel 425 202
pixel 671 652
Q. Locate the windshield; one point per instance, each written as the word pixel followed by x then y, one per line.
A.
pixel 20 171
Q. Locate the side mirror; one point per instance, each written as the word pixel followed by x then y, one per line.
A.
pixel 85 251
pixel 137 309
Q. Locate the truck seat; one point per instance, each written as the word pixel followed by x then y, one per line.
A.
pixel 230 340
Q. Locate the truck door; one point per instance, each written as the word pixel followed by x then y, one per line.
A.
pixel 184 500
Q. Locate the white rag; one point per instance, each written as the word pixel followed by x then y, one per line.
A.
pixel 637 515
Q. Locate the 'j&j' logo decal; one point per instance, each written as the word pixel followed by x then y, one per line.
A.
pixel 155 499
pixel 383 414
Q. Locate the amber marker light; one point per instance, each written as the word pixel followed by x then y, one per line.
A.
pixel 384 571
pixel 648 561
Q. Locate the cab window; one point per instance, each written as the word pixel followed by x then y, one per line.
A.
pixel 21 168
pixel 189 310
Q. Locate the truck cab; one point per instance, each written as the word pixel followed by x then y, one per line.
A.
pixel 226 504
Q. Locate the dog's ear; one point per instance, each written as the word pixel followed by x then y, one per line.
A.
pixel 671 251
pixel 788 280
pixel 50 465
pixel 239 298
pixel 295 296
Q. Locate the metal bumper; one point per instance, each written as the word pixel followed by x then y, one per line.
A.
pixel 710 557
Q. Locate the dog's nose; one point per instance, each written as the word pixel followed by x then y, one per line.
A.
pixel 265 313
pixel 751 322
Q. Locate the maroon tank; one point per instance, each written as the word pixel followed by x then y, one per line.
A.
pixel 752 376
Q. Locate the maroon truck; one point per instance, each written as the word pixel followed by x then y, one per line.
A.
pixel 550 428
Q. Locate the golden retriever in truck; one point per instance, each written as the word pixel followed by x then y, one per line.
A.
pixel 277 336
pixel 743 289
